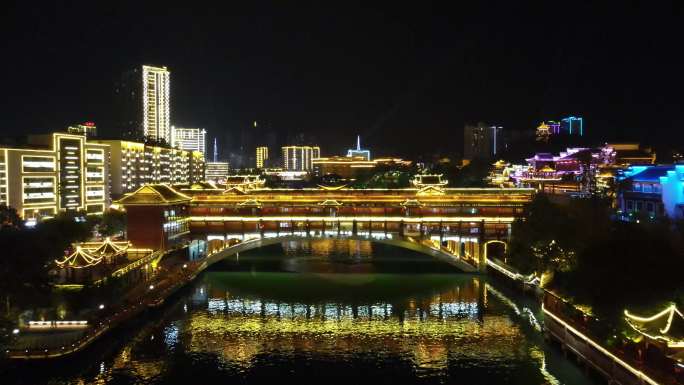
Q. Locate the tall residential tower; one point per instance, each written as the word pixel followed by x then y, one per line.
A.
pixel 144 103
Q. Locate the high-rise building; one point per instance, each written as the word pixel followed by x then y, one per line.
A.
pixel 190 139
pixel 55 173
pixel 300 158
pixel 134 164
pixel 261 156
pixel 88 129
pixel 358 151
pixel 144 103
pixel 217 171
pixel 482 141
pixel 572 125
pixel 156 103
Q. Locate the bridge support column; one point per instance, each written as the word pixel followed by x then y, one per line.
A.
pixel 242 226
pixel 308 228
pixel 482 257
pixel 401 228
pixel 354 227
pixel 441 233
pixel 261 228
pixel 338 227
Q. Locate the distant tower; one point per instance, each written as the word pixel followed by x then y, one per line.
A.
pixel 215 151
pixel 358 151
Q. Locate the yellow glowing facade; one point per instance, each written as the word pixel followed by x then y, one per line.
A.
pixel 348 167
pixel 156 103
pixel 59 172
pixel 261 156
pixel 300 158
pixel 134 165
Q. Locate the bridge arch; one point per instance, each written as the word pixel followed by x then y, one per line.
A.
pixel 488 252
pixel 409 243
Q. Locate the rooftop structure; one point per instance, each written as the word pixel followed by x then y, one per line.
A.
pixel 358 151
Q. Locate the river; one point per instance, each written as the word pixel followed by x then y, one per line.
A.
pixel 325 310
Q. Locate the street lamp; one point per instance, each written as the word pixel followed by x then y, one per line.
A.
pixel 15 331
pixel 101 306
pixel 151 287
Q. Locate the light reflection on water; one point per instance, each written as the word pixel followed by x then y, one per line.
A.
pixel 253 323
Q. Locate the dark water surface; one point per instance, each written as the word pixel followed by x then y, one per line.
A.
pixel 325 312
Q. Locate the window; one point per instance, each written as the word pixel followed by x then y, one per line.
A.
pixel 636 186
pixel 630 205
pixel 648 188
pixel 656 188
pixel 649 207
pixel 639 205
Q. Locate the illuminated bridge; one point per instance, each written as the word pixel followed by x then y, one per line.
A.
pixel 457 225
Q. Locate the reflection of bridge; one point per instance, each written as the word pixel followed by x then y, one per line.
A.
pixel 455 225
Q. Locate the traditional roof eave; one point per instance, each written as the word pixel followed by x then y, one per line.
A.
pixel 152 195
pixel 79 259
pixel 669 315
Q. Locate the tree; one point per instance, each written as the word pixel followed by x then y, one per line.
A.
pixel 9 218
pixel 472 175
pixel 112 222
pixel 540 240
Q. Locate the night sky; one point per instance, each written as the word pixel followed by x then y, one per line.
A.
pixel 406 78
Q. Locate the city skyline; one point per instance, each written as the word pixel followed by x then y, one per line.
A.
pixel 433 69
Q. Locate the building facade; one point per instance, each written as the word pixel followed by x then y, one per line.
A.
pixel 641 192
pixel 347 167
pixel 300 158
pixel 482 141
pixel 89 129
pixel 190 139
pixel 135 164
pixel 156 101
pixel 143 103
pixel 358 151
pixel 55 173
pixel 572 125
pixel 261 157
pixel 217 171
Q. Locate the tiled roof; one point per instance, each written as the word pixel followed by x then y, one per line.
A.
pixel 155 194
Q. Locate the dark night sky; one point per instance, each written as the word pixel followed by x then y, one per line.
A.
pixel 405 78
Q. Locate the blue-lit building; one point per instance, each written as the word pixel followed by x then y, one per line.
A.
pixel 655 191
pixel 572 125
pixel 358 151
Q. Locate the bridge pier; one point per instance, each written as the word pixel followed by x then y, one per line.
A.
pixel 482 252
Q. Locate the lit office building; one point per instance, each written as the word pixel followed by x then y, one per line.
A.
pixel 89 129
pixel 358 151
pixel 482 141
pixel 346 167
pixel 135 164
pixel 56 172
pixel 190 139
pixel 143 103
pixel 300 158
pixel 156 103
pixel 261 157
pixel 217 172
pixel 572 125
pixel 349 167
